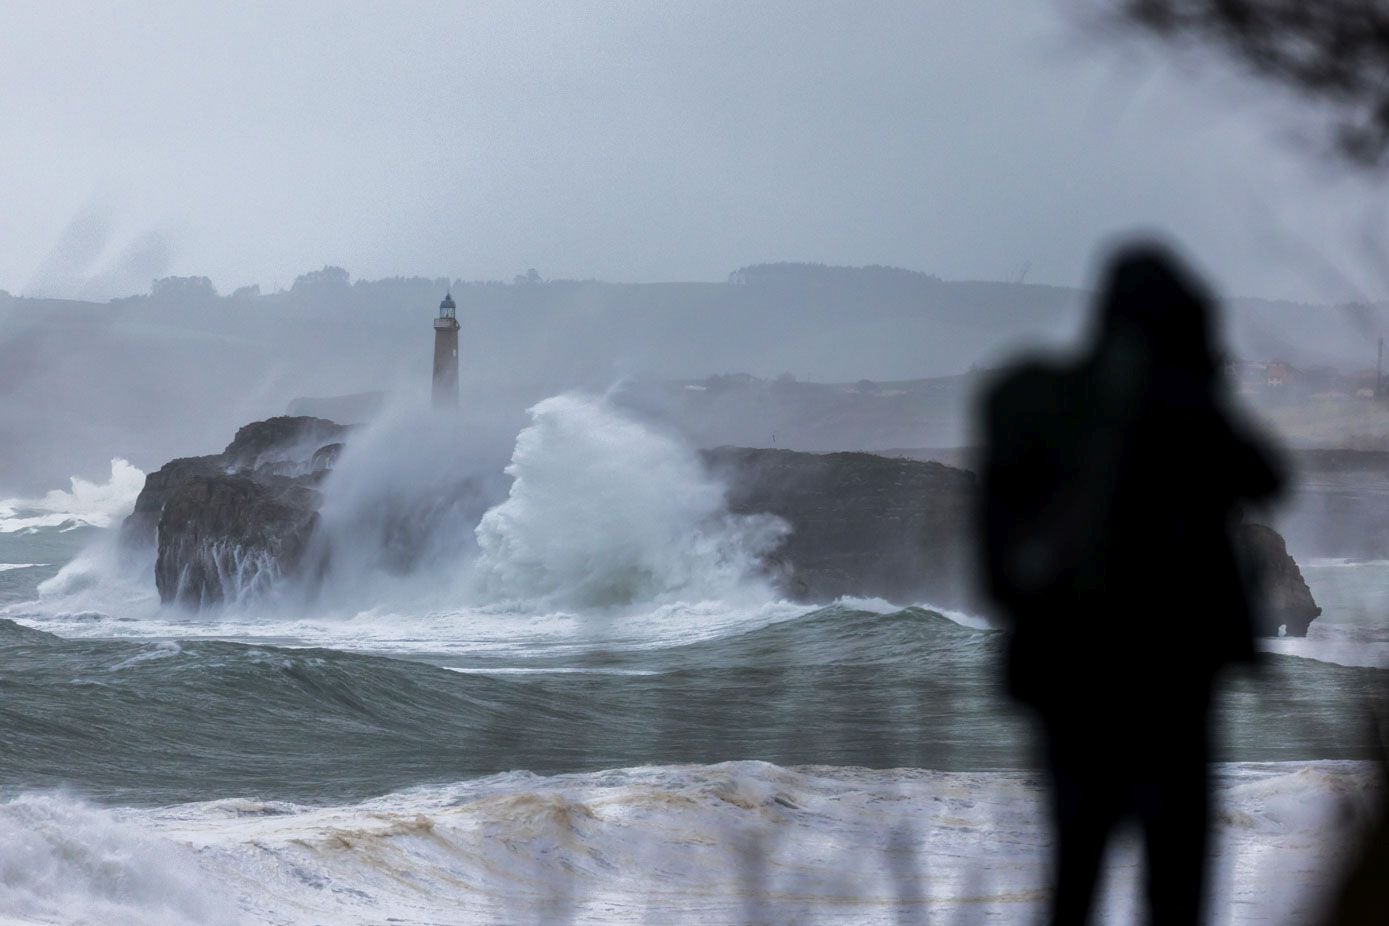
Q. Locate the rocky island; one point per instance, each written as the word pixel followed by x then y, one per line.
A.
pixel 230 525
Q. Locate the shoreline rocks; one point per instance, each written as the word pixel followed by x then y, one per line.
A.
pixel 869 526
pixel 862 525
pixel 1287 601
pixel 228 525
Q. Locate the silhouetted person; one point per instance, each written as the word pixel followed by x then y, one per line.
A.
pixel 1110 489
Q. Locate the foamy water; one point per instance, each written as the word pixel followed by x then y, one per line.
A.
pixel 1354 627
pixel 742 842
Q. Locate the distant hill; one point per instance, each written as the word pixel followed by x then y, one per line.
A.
pixel 165 373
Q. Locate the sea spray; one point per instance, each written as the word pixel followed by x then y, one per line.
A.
pixel 424 532
pixel 63 860
pixel 106 576
pixel 106 572
pixel 606 512
pixel 399 508
pixel 595 511
pixel 96 504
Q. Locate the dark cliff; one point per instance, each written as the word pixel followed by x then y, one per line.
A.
pixel 870 526
pixel 861 524
pixel 230 524
pixel 1287 601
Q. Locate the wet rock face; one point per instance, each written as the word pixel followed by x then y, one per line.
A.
pixel 139 528
pixel 229 537
pixel 227 525
pixel 877 527
pixel 1287 601
pixel 280 442
pixel 861 525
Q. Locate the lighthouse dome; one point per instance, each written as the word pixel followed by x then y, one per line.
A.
pixel 448 302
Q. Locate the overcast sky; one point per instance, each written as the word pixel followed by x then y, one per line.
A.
pixel 638 141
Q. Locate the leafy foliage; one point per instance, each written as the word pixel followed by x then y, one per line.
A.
pixel 1335 52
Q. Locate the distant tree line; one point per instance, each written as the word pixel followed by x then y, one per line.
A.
pixel 791 273
pixel 332 286
pixel 183 289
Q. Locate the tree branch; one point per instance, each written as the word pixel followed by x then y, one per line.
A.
pixel 1334 52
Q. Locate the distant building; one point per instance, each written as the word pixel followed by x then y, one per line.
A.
pixel 446 354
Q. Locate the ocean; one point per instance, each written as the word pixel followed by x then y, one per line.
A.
pixel 592 715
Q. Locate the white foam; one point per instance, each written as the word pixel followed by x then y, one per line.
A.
pixel 1318 562
pixel 63 861
pixel 1351 653
pixel 871 605
pixel 6 567
pixel 102 581
pixel 734 842
pixel 95 504
pixel 612 535
pixel 605 512
pixel 164 649
pixel 481 632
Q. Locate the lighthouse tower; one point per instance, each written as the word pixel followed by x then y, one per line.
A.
pixel 446 354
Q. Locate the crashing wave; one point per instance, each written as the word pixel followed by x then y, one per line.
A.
pixel 604 511
pixel 94 504
pixel 744 842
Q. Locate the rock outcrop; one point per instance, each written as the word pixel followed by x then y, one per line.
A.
pixel 1287 601
pixel 231 536
pixel 861 525
pixel 870 526
pixel 228 525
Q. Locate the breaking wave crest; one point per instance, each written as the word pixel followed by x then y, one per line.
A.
pixel 603 511
pixel 737 842
pixel 66 861
pixel 94 504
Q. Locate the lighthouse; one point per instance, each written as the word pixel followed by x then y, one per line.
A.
pixel 446 354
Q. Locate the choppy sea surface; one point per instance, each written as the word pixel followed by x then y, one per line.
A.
pixel 853 763
pixel 713 756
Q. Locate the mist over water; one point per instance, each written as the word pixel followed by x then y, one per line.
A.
pixel 399 509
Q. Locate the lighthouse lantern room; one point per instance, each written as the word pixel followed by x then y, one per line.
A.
pixel 446 354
